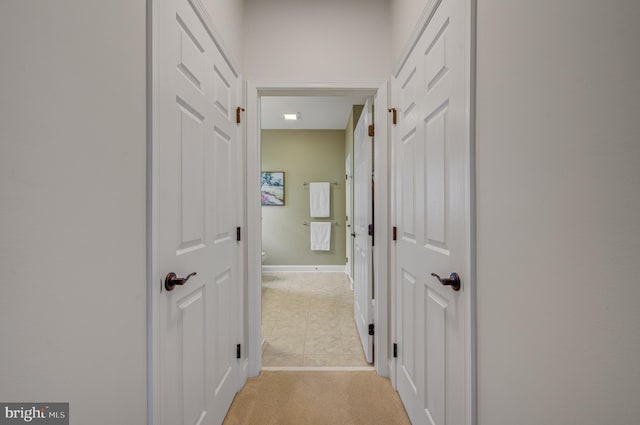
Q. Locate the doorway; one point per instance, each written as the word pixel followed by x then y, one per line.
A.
pixel 255 93
pixel 307 299
pixel 308 304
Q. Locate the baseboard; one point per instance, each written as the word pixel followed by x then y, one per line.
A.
pixel 303 268
pixel 392 373
pixel 244 373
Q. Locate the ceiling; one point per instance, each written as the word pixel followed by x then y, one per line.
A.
pixel 316 112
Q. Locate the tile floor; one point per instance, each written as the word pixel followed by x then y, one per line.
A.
pixel 307 320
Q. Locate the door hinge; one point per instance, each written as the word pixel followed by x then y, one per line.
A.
pixel 394 115
pixel 238 351
pixel 372 130
pixel 395 350
pixel 238 234
pixel 238 110
pixel 372 329
pixel 395 233
pixel 371 230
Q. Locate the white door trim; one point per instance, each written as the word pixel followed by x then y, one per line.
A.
pixel 154 279
pixel 470 219
pixel 256 89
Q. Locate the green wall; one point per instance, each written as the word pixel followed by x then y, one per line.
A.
pixel 304 156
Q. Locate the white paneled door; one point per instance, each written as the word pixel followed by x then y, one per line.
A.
pixel 430 157
pixel 362 218
pixel 349 218
pixel 198 166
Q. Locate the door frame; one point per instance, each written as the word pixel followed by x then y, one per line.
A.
pixel 469 270
pixel 255 90
pixel 154 278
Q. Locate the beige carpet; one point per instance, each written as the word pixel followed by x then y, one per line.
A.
pixel 317 398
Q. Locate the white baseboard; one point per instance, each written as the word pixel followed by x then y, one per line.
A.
pixel 392 373
pixel 303 268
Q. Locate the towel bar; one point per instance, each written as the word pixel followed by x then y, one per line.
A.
pixel 307 183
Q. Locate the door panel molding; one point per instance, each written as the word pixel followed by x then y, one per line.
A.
pixel 425 17
pixel 213 32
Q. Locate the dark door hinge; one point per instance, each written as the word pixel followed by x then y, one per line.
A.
pixel 371 230
pixel 372 130
pixel 372 329
pixel 238 351
pixel 394 115
pixel 238 110
pixel 238 234
pixel 395 350
pixel 395 233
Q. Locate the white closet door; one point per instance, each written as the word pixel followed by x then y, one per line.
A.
pixel 362 218
pixel 430 148
pixel 199 193
pixel 349 218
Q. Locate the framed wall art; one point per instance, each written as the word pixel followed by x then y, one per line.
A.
pixel 272 188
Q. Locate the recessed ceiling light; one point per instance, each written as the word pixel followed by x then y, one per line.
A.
pixel 291 117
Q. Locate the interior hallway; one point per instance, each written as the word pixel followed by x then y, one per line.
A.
pixel 307 320
pixel 556 172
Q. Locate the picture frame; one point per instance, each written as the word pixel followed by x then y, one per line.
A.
pixel 272 188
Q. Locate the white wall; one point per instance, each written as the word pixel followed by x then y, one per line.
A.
pixel 72 207
pixel 558 185
pixel 316 40
pixel 227 16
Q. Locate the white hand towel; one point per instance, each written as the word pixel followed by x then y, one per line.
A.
pixel 320 236
pixel 320 199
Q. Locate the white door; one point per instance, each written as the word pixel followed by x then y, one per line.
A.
pixel 349 218
pixel 362 218
pixel 199 191
pixel 430 151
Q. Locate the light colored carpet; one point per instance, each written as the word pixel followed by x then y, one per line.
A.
pixel 317 398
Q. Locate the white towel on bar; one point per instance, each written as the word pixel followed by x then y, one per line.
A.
pixel 320 236
pixel 320 199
